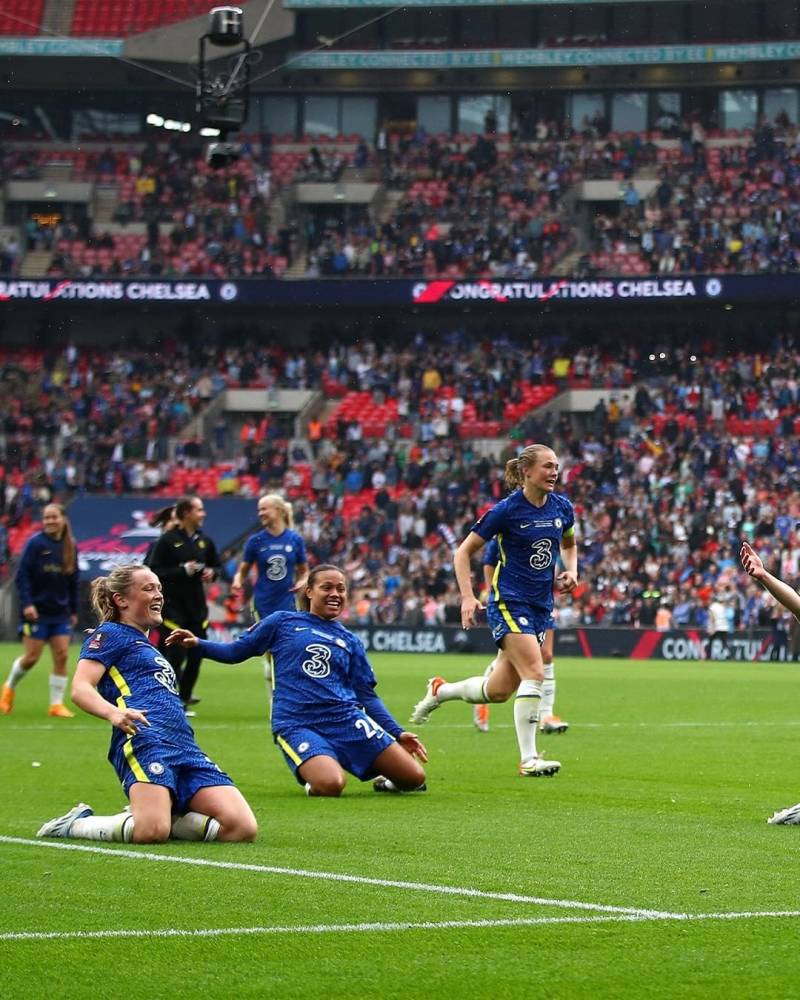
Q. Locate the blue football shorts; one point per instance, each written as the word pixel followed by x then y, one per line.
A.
pixel 354 743
pixel 183 769
pixel 509 617
pixel 44 629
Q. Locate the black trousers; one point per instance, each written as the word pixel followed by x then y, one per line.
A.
pixel 185 662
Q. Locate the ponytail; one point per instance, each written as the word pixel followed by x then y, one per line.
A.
pixel 285 506
pixel 103 589
pixel 515 467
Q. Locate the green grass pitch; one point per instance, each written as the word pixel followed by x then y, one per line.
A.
pixel 644 869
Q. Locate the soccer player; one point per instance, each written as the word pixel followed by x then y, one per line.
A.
pixel 47 581
pixel 279 555
pixel 532 525
pixel 184 559
pixel 122 678
pixel 785 595
pixel 326 716
pixel 548 721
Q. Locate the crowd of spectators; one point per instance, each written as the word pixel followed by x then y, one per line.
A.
pixel 478 206
pixel 466 209
pixel 663 488
pixel 720 209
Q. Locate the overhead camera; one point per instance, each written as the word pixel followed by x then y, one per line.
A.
pixel 222 154
pixel 223 98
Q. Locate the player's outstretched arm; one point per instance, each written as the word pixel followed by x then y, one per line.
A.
pixel 414 745
pixel 182 637
pixel 86 696
pixel 781 591
pixel 470 605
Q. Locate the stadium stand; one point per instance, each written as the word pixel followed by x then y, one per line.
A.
pixel 121 18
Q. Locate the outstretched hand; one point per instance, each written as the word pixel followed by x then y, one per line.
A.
pixel 414 745
pixel 470 606
pixel 751 562
pixel 181 637
pixel 566 582
pixel 126 719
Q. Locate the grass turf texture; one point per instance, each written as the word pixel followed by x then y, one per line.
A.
pixel 669 771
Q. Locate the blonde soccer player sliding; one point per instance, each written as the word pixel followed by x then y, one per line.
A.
pixel 175 790
pixel 533 526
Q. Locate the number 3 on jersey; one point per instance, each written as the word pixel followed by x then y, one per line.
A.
pixel 542 553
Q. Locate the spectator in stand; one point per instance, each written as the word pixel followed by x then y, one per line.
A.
pixel 47 583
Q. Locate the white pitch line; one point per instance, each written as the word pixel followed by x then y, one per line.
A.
pixel 446 890
pixel 576 726
pixel 383 927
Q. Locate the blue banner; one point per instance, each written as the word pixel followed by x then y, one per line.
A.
pixel 114 530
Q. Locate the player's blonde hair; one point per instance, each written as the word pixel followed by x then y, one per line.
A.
pixel 515 467
pixel 284 505
pixel 102 590
pixel 303 600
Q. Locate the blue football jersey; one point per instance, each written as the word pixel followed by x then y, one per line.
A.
pixel 491 553
pixel 138 676
pixel 321 669
pixel 528 543
pixel 276 558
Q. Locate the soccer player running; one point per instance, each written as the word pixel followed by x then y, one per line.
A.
pixel 279 555
pixel 47 581
pixel 175 790
pixel 531 525
pixel 326 717
pixel 785 595
pixel 185 559
pixel 549 722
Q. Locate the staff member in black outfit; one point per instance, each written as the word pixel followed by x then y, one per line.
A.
pixel 184 559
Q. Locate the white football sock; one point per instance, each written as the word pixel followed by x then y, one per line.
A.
pixel 269 676
pixel 17 673
pixel 548 691
pixel 526 713
pixel 471 690
pixel 58 685
pixel 118 828
pixel 194 826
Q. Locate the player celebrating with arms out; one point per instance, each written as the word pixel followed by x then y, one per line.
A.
pixel 122 678
pixel 326 716
pixel 531 525
pixel 789 598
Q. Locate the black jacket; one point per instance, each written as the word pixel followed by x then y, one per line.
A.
pixel 184 595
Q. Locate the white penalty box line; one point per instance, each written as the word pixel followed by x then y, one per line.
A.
pixel 445 890
pixel 384 926
pixel 592 912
